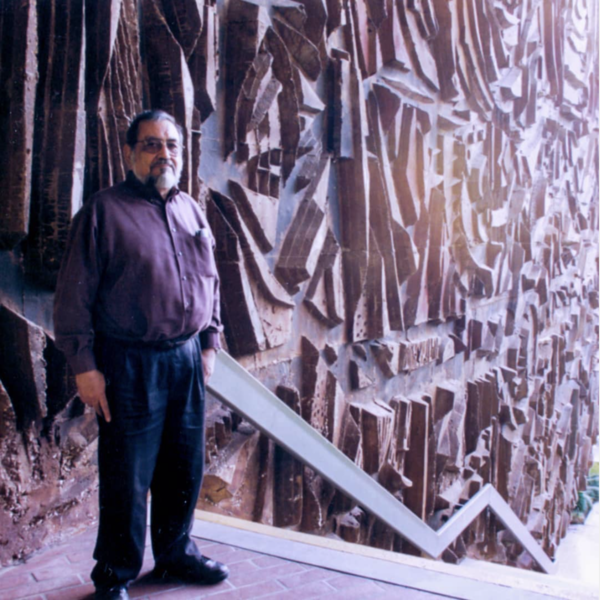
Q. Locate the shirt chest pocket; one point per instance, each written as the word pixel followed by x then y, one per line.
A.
pixel 201 255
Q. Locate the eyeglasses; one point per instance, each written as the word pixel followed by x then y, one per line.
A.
pixel 155 145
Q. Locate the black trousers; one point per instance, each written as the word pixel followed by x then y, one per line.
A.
pixel 155 441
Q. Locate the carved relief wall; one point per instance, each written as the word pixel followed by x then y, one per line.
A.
pixel 405 199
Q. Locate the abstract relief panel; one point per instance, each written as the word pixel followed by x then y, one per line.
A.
pixel 404 195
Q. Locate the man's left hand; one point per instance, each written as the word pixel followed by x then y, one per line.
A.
pixel 209 356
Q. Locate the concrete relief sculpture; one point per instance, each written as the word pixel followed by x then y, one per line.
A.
pixel 404 195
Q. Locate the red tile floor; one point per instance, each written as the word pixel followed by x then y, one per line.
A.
pixel 62 573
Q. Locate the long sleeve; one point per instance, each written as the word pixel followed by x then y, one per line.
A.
pixel 210 337
pixel 76 291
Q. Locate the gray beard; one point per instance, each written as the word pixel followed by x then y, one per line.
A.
pixel 165 181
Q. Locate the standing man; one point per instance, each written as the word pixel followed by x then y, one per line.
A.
pixel 137 316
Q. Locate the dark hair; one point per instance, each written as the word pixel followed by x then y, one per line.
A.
pixel 150 115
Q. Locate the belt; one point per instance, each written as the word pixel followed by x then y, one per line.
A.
pixel 152 345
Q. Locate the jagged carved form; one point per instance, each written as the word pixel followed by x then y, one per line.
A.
pixel 18 77
pixel 441 246
pixel 405 202
pixel 40 421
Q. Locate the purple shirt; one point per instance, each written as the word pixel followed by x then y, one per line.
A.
pixel 137 268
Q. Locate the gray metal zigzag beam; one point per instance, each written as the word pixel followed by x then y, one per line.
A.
pixel 239 390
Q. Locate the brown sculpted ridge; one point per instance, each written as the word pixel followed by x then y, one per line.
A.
pixel 404 195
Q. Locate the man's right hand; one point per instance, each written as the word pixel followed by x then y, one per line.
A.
pixel 92 391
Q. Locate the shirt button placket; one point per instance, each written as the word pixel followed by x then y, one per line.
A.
pixel 186 304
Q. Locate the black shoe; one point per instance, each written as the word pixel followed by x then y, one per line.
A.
pixel 117 592
pixel 196 570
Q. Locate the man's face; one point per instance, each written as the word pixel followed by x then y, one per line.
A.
pixel 160 168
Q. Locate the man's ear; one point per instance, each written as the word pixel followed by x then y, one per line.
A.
pixel 127 154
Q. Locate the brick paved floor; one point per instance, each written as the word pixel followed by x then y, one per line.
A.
pixel 62 573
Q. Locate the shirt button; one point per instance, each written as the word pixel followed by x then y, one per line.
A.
pixel 184 278
pixel 173 230
pixel 180 254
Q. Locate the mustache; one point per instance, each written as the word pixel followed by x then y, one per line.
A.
pixel 163 161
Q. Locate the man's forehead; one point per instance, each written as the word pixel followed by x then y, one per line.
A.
pixel 159 129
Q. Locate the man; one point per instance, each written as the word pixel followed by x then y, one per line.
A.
pixel 137 316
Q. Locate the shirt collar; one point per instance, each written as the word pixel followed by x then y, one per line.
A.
pixel 149 192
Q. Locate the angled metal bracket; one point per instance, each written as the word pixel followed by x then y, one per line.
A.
pixel 243 393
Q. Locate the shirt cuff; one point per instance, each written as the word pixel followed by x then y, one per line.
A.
pixel 210 339
pixel 82 362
